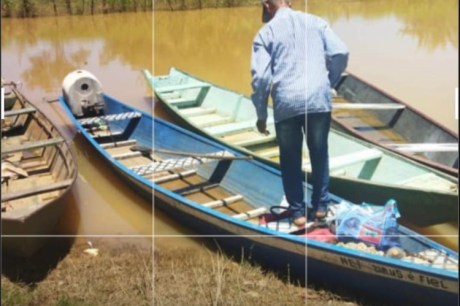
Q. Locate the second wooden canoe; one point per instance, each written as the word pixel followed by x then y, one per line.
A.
pixel 369 113
pixel 360 171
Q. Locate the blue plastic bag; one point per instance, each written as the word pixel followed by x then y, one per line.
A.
pixel 371 224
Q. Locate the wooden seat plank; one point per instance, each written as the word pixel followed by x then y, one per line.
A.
pixel 225 201
pixel 34 191
pixel 270 153
pixel 33 145
pixel 370 106
pixel 15 112
pixel 167 88
pixel 234 128
pixel 102 134
pixel 182 103
pixel 255 140
pixel 126 155
pixel 424 147
pixel 350 159
pixel 210 120
pixel 197 111
pixel 205 186
pixel 174 176
pixel 251 214
pixel 123 143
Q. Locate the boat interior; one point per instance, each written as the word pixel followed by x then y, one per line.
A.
pixel 208 175
pixel 376 116
pixel 171 168
pixel 200 104
pixel 37 164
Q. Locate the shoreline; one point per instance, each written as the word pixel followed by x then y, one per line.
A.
pixel 38 8
pixel 41 8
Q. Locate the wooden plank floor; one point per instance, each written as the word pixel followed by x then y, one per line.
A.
pixel 187 182
pixel 266 147
pixel 362 118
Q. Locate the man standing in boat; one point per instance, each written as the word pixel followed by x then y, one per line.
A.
pixel 297 58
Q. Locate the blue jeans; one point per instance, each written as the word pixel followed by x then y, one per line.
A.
pixel 289 134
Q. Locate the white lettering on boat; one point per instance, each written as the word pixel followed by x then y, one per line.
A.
pixel 350 262
pixel 388 271
pixel 437 283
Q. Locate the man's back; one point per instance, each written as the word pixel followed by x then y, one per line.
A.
pixel 297 46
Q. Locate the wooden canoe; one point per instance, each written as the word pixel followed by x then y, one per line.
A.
pixel 222 193
pixel 360 172
pixel 38 170
pixel 369 113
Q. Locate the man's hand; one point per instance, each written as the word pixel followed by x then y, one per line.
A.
pixel 262 127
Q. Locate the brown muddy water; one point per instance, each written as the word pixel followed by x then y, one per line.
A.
pixel 408 48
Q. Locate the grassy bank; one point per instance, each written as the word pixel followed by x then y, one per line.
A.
pixel 128 274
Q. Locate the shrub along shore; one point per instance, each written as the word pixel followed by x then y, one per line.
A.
pixel 40 8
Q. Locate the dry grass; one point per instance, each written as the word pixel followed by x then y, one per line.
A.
pixel 123 274
pixel 199 277
pixel 114 277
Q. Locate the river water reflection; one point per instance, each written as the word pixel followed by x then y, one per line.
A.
pixel 408 48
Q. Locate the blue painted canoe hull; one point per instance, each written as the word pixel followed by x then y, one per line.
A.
pixel 312 270
pixel 364 274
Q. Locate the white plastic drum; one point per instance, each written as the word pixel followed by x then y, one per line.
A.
pixel 82 93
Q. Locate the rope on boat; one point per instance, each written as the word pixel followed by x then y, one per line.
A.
pixel 108 118
pixel 168 164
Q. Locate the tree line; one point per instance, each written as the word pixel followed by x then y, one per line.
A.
pixel 36 8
